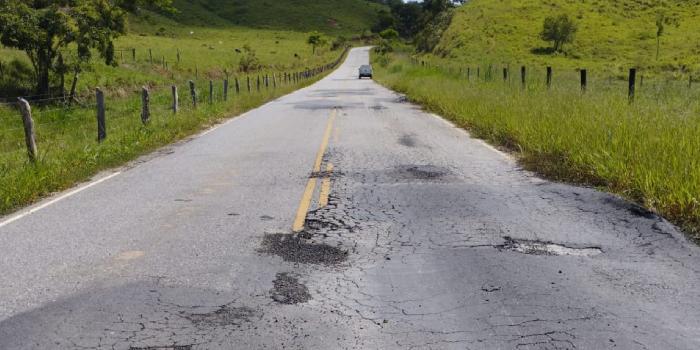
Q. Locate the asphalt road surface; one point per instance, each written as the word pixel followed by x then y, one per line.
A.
pixel 342 217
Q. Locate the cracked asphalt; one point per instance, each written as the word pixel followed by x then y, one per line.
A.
pixel 416 237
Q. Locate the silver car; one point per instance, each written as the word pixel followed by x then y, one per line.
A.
pixel 366 71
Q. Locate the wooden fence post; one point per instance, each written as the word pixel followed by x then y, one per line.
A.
pixel 469 73
pixel 258 86
pixel 101 123
pixel 632 83
pixel 584 80
pixel 238 86
pixel 274 81
pixel 28 128
pixel 211 91
pixel 267 81
pixel 176 99
pixel 146 108
pixel 505 74
pixel 478 72
pixel 178 56
pixel 150 55
pixel 690 81
pixel 133 55
pixel 523 76
pixel 549 77
pixel 193 93
pixel 248 83
pixel 226 89
pixel 73 87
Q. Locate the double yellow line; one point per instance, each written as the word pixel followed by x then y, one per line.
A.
pixel 300 218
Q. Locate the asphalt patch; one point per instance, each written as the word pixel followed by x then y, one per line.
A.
pixel 287 290
pixel 225 315
pixel 408 140
pixel 533 247
pixel 294 248
pixel 422 172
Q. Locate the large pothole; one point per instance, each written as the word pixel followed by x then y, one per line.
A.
pixel 534 247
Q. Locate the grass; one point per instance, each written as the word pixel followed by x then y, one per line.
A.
pixel 613 35
pixel 329 16
pixel 647 151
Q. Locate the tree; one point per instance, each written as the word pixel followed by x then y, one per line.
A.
pixel 560 30
pixel 45 29
pixel 661 21
pixel 315 39
pixel 389 34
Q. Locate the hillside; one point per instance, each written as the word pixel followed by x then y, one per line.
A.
pixel 612 34
pixel 330 16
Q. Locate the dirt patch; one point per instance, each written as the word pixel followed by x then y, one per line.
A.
pixel 293 248
pixel 225 315
pixel 287 290
pixel 533 247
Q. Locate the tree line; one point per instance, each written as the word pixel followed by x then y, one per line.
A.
pixel 420 22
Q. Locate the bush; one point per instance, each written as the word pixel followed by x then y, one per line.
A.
pixel 339 43
pixel 249 61
pixel 16 78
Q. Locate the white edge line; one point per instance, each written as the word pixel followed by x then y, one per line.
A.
pixel 57 199
pixel 467 133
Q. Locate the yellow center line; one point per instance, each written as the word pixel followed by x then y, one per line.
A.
pixel 325 187
pixel 305 204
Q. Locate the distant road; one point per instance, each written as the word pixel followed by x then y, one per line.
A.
pixel 411 235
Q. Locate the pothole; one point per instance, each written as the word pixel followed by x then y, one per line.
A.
pixel 287 290
pixel 293 248
pixel 533 247
pixel 223 316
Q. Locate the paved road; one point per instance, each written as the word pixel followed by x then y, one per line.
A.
pixel 411 235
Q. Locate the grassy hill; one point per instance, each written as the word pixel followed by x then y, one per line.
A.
pixel 613 34
pixel 330 16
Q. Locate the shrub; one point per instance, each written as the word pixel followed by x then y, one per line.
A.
pixel 249 61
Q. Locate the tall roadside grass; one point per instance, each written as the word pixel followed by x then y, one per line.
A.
pixel 67 137
pixel 647 151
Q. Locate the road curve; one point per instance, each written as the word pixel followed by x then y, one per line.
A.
pixel 342 217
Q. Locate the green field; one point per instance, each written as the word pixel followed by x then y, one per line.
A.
pixel 647 151
pixel 612 37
